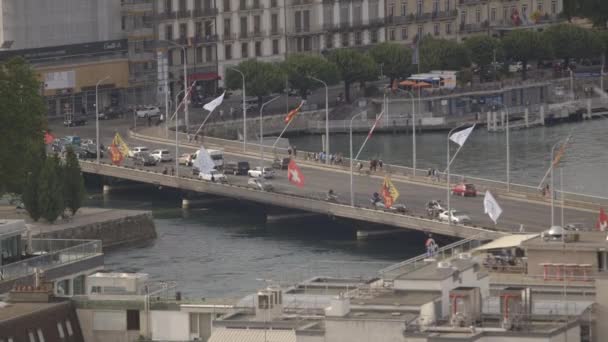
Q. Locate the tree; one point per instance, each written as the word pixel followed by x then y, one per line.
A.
pixel 73 182
pixel 31 189
pixel 442 54
pixel 595 10
pixel 22 122
pixel 298 67
pixel 395 59
pixel 524 46
pixel 261 78
pixel 570 41
pixel 353 66
pixel 483 51
pixel 50 193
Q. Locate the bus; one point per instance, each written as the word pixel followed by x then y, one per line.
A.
pixel 216 155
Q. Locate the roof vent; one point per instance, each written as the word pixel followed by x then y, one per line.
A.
pixel 444 264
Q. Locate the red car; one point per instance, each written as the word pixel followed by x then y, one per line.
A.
pixel 463 189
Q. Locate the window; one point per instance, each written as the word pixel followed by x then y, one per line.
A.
pixel 404 8
pixel 419 7
pixel 169 32
pixel 244 50
pixel 373 36
pixel 40 335
pixel 227 26
pixel 123 23
pixel 209 54
pixel 391 34
pixel 60 330
pixel 435 6
pixel 97 289
pixel 256 3
pixel 436 29
pixel 132 319
pixel 404 33
pixel 306 20
pixel 198 29
pixel 358 40
pixel 68 326
pixel 258 49
pixel 539 7
pixel 524 11
pixel 243 5
pixel 298 20
pixel 344 39
pixel 182 57
pixel 168 6
pixel 197 5
pixel 493 14
pixel 307 43
pixel 357 16
pixel 199 54
pixel 226 5
pixel 256 23
pixel 505 13
pixel 274 23
pixel 420 31
pixel 448 28
pixel 447 6
pixel 273 3
pixel 478 15
pixel 183 31
pixel 243 26
pixel 553 6
pixel 329 41
pixel 391 9
pixel 463 17
pixel 275 46
pixel 228 51
pixel 182 5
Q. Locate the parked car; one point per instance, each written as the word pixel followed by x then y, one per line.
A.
pixel 111 113
pixel 281 164
pixel 137 150
pixel 213 175
pixel 575 227
pixel 230 168
pixel 147 112
pixel 518 66
pixel 260 184
pixel 75 121
pixel 87 153
pixel 464 189
pixel 161 156
pixel 185 159
pixel 259 173
pixel 457 217
pixel 144 159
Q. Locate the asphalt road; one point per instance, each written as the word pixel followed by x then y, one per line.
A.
pixel 533 215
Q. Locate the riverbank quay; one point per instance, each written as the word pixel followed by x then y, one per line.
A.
pixel 114 227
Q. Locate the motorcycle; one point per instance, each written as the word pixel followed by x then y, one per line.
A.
pixel 331 198
pixel 434 208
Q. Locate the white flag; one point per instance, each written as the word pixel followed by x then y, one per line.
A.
pixel 203 161
pixel 461 136
pixel 491 207
pixel 216 102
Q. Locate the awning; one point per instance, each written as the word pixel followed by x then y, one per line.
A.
pixel 508 241
pixel 203 76
pixel 422 85
pixel 407 83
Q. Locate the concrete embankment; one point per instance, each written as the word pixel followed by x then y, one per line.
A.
pixel 113 227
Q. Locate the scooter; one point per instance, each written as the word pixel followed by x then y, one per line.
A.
pixel 331 198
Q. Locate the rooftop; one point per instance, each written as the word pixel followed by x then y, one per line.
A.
pixel 10 228
pixel 384 315
pixel 10 311
pixel 119 275
pixel 396 298
pixel 433 271
pixel 580 240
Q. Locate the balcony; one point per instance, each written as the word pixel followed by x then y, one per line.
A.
pixel 140 32
pixel 228 37
pixel 257 34
pixel 421 17
pixel 205 39
pixel 357 25
pixel 131 7
pixel 299 30
pixel 203 12
pixel 142 57
pixel 276 32
pixel 472 2
pixel 510 25
pixel 63 257
pixel 301 2
pixel 472 28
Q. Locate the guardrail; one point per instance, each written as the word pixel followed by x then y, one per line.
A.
pixel 54 252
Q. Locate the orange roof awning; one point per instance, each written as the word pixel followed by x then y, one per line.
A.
pixel 407 83
pixel 422 85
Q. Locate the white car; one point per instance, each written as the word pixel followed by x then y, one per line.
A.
pixel 161 156
pixel 268 172
pixel 457 217
pixel 148 112
pixel 213 175
pixel 260 184
pixel 136 150
pixel 518 66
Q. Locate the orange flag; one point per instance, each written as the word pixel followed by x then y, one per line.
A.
pixel 293 113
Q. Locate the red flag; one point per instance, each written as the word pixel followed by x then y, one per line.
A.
pixel 602 221
pixel 294 174
pixel 369 135
pixel 292 113
pixel 48 138
pixel 116 155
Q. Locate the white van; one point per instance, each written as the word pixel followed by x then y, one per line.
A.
pixel 216 155
pixel 148 112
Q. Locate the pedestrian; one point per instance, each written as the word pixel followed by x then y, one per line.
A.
pixel 380 164
pixel 172 171
pixel 212 178
pixel 149 121
pixel 295 151
pixel 196 138
pixel 165 171
pixel 359 166
pixel 430 246
pixel 289 151
pixel 429 172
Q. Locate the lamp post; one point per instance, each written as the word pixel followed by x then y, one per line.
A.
pixel 244 110
pixel 97 115
pixel 177 132
pixel 262 133
pixel 507 125
pixel 447 181
pixel 326 117
pixel 411 95
pixel 352 194
pixel 563 141
pixel 185 62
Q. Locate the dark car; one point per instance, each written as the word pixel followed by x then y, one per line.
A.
pixel 75 121
pixel 86 153
pixel 242 168
pixel 145 159
pixel 230 168
pixel 281 164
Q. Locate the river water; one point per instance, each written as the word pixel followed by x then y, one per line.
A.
pixel 484 154
pixel 226 251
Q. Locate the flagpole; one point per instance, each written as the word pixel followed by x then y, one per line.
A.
pixel 551 165
pixel 262 134
pixel 368 135
pixel 447 181
pixel 455 154
pixel 280 135
pixel 204 121
pixel 352 195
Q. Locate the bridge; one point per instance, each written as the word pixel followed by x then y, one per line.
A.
pixel 522 205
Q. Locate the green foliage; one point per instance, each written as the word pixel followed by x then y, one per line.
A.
pixel 396 59
pixel 483 50
pixel 22 122
pixel 570 41
pixel 525 46
pixel 594 10
pixel 353 66
pixel 73 182
pixel 442 54
pixel 50 191
pixel 261 78
pixel 32 183
pixel 299 66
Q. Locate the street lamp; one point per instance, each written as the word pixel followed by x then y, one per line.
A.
pixel 262 133
pixel 560 142
pixel 176 132
pixel 326 118
pixel 97 114
pixel 507 125
pixel 183 47
pixel 411 95
pixel 352 195
pixel 447 181
pixel 244 110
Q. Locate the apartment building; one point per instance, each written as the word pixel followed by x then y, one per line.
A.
pixel 459 19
